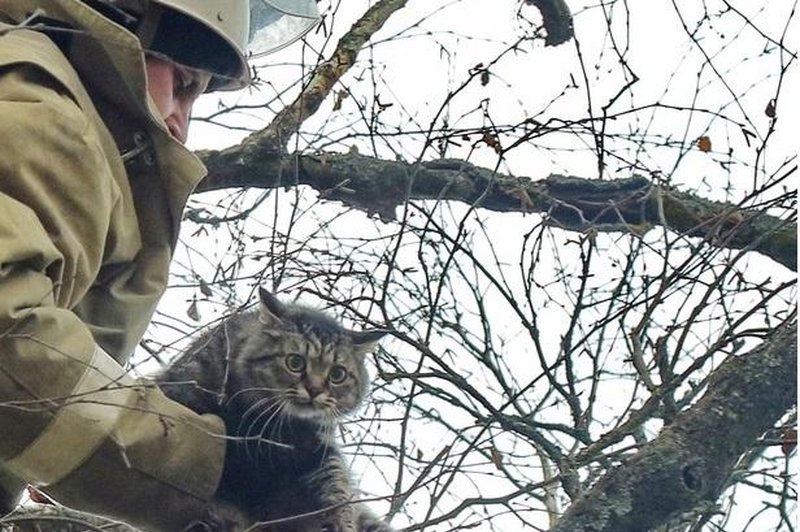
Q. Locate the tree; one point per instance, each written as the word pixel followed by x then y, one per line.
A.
pixel 610 347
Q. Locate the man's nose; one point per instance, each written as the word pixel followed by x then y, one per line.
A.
pixel 181 113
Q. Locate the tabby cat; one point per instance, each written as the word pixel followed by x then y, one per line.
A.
pixel 281 377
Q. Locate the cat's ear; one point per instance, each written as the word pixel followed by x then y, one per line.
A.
pixel 366 340
pixel 270 311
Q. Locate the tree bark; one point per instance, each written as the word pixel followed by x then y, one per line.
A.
pixel 635 204
pixel 690 460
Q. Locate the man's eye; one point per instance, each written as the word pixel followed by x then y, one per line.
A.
pixel 189 83
pixel 187 86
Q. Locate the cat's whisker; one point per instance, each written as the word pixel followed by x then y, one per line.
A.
pixel 280 411
pixel 333 416
pixel 257 426
pixel 272 405
pixel 274 427
pixel 256 408
pixel 246 390
pixel 256 429
pixel 333 419
pixel 324 439
pixel 284 418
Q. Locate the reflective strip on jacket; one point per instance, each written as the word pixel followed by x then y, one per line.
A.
pixel 85 246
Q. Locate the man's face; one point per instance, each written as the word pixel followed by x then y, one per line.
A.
pixel 174 88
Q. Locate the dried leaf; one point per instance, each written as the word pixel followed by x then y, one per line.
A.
pixel 492 141
pixel 192 311
pixel 38 496
pixel 788 441
pixel 704 144
pixel 205 289
pixel 340 96
pixel 497 458
pixel 770 111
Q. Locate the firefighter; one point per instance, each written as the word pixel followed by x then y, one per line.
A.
pixel 95 97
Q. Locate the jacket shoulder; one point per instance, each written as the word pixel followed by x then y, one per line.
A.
pixel 27 47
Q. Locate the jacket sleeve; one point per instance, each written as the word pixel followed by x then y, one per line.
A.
pixel 72 421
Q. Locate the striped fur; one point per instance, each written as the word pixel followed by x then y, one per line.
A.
pixel 281 377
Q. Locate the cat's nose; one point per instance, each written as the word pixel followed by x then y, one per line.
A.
pixel 314 386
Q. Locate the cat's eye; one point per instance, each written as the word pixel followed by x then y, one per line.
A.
pixel 295 363
pixel 337 375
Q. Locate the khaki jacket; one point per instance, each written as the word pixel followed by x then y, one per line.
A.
pixel 85 243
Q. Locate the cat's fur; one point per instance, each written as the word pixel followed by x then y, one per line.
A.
pixel 282 460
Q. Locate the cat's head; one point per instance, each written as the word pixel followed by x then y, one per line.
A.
pixel 306 360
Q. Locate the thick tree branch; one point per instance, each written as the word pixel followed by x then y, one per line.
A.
pixel 689 462
pixel 634 204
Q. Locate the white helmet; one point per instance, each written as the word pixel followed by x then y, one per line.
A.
pixel 219 36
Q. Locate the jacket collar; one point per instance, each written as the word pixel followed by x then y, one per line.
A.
pixel 110 62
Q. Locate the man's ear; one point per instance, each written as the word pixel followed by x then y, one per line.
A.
pixel 270 310
pixel 366 340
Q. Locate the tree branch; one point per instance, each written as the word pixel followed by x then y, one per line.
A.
pixel 273 138
pixel 689 462
pixel 634 204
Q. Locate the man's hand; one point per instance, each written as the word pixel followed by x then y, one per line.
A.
pixel 10 492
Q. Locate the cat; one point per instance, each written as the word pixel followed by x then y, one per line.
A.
pixel 281 377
